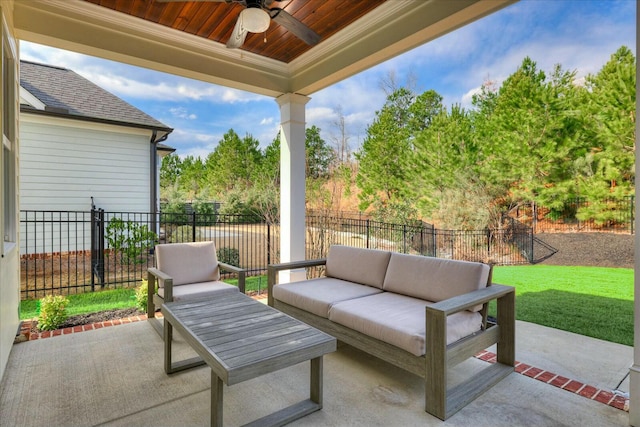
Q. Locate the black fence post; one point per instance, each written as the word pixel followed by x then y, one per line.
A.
pixel 268 243
pixel 97 247
pixel 404 238
pixel 94 249
pixel 368 226
pixel 434 235
pixel 193 226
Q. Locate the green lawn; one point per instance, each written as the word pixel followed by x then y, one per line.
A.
pixel 591 301
pixel 90 302
pixel 117 298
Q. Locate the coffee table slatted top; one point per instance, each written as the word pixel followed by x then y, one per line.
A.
pixel 241 338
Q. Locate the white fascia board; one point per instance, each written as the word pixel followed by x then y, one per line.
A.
pixel 26 117
pixel 27 97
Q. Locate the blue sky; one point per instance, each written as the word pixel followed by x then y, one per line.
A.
pixel 580 35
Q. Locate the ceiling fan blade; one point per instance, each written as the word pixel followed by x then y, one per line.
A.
pixel 299 29
pixel 238 35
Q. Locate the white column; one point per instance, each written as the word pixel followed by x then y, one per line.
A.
pixel 634 376
pixel 292 182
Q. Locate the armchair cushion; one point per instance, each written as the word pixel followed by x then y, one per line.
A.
pixel 188 262
pixel 202 289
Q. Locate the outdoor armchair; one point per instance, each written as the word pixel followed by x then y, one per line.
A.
pixel 186 271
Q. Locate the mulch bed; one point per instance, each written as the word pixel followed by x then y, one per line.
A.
pixel 590 249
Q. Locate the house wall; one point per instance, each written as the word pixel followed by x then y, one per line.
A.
pixel 65 162
pixel 9 259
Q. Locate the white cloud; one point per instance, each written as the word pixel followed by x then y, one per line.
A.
pixel 467 98
pixel 266 121
pixel 182 113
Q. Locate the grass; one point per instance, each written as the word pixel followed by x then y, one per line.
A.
pixel 111 299
pixel 591 301
pixel 90 302
pixel 252 284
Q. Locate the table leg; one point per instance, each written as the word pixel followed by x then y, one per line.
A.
pixel 316 381
pixel 216 400
pixel 168 337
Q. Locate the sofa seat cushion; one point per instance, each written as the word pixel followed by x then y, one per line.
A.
pixel 399 320
pixel 318 295
pixel 358 265
pixel 434 279
pixel 197 290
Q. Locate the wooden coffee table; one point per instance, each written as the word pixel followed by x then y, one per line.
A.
pixel 241 338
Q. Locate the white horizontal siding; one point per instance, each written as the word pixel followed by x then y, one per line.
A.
pixel 63 166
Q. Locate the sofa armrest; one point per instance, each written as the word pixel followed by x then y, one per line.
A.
pixel 273 269
pixel 504 334
pixel 471 299
pixel 240 271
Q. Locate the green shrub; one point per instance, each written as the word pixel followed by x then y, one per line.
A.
pixel 130 240
pixel 52 312
pixel 184 234
pixel 229 256
pixel 141 295
pixel 239 206
pixel 205 212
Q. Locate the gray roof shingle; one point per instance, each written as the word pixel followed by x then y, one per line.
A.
pixel 65 92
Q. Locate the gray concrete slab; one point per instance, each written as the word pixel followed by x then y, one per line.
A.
pixel 599 363
pixel 114 377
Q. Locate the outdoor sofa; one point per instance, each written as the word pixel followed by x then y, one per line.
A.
pixel 422 314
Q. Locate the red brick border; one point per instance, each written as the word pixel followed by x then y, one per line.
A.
pixel 573 386
pixel 564 383
pixel 31 336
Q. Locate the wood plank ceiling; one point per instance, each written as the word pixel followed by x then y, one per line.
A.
pixel 215 20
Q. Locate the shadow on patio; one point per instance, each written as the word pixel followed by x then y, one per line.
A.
pixel 114 376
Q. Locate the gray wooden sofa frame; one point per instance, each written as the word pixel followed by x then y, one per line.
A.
pixel 154 300
pixel 441 400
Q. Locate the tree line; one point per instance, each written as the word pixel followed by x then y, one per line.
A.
pixel 537 137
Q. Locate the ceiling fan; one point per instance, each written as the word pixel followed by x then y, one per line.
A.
pixel 256 18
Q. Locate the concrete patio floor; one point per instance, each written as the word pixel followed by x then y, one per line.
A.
pixel 114 377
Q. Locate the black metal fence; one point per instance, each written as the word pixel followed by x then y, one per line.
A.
pixel 74 252
pixel 610 215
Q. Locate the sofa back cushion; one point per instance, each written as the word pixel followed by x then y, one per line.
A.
pixel 188 262
pixel 364 266
pixel 434 279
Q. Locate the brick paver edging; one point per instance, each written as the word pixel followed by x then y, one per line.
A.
pixel 573 386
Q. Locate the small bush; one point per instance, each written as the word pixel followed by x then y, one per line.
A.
pixel 141 295
pixel 52 312
pixel 229 256
pixel 184 234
